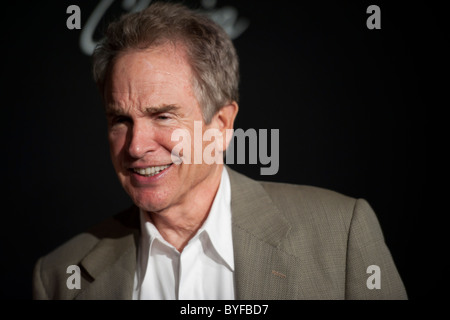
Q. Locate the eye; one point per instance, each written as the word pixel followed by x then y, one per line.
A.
pixel 118 119
pixel 121 119
pixel 163 116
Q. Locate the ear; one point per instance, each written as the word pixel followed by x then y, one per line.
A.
pixel 223 120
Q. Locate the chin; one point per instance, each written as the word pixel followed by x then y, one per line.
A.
pixel 150 201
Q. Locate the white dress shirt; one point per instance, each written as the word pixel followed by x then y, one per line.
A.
pixel 204 269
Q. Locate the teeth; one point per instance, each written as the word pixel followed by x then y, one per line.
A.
pixel 150 171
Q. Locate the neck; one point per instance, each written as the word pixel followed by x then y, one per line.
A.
pixel 179 224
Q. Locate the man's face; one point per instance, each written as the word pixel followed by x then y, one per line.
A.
pixel 149 95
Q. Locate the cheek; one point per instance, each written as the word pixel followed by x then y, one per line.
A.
pixel 164 138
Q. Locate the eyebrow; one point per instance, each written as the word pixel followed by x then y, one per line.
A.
pixel 161 109
pixel 111 110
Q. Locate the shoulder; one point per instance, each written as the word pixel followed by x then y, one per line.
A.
pixel 78 247
pixel 318 206
pixel 300 205
pixel 316 216
pixel 295 193
pixel 312 205
pixel 325 218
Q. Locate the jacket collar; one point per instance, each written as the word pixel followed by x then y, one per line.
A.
pixel 261 266
pixel 254 212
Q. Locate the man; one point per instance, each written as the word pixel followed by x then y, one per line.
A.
pixel 199 230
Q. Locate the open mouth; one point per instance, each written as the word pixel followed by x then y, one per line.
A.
pixel 150 171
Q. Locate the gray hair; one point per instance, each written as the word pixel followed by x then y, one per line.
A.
pixel 210 51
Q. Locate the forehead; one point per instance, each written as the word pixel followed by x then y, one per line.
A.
pixel 149 76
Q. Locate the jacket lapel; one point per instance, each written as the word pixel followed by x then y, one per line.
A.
pixel 258 229
pixel 108 270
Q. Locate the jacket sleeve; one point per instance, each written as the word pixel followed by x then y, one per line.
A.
pixel 39 292
pixel 370 269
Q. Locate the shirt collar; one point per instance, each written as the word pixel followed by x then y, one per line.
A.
pixel 217 225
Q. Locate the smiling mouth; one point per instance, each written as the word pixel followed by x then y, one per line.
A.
pixel 150 171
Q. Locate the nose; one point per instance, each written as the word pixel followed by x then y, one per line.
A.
pixel 141 140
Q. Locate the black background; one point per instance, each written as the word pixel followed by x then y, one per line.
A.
pixel 346 99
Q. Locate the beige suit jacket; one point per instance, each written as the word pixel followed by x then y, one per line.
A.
pixel 290 242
